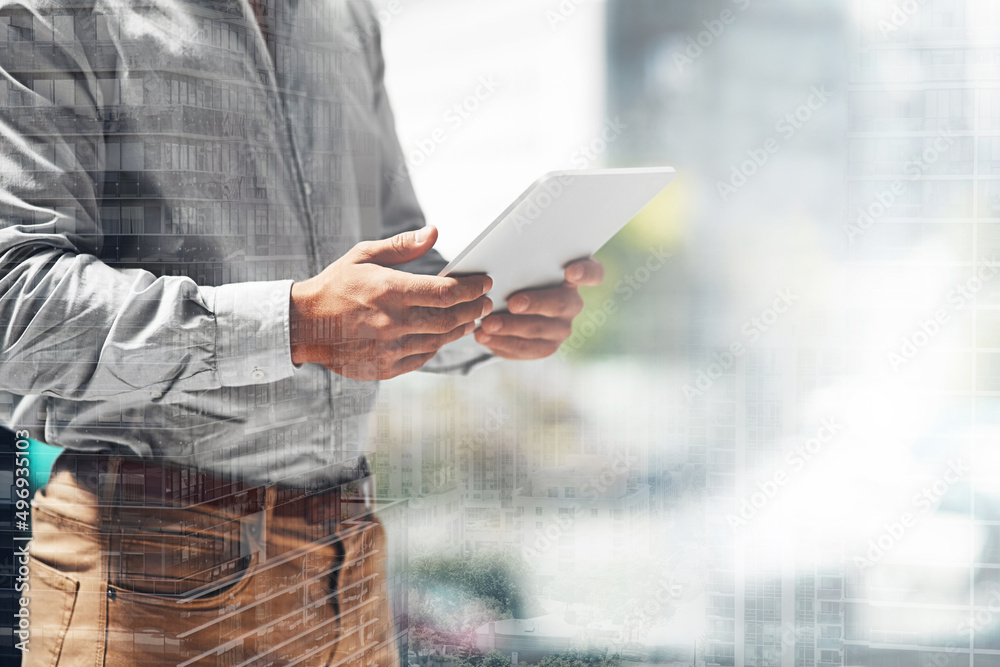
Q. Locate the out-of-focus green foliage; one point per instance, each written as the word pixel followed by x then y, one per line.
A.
pixel 657 227
pixel 450 597
pixel 579 658
pixel 570 658
pixel 499 578
pixel 495 659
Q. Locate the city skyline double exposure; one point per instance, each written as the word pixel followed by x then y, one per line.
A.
pixel 770 439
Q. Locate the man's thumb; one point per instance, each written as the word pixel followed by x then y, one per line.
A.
pixel 399 249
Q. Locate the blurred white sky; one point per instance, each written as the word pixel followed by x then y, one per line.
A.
pixel 548 100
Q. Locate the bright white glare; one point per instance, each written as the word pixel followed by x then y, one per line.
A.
pixel 939 539
pixel 549 100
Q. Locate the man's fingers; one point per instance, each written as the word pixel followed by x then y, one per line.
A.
pixel 511 347
pixel 443 320
pixel 438 292
pixel 527 326
pixel 560 302
pixel 424 343
pixel 381 369
pixel 586 273
pixel 398 249
pixel 409 364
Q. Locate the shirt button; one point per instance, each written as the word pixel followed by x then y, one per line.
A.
pixel 257 374
pixel 309 189
pixel 156 394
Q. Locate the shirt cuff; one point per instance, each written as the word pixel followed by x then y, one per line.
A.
pixel 252 338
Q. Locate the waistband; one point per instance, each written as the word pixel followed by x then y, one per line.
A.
pixel 128 481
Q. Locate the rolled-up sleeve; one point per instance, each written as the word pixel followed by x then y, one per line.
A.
pixel 70 325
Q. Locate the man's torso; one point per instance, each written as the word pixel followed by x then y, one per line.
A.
pixel 235 150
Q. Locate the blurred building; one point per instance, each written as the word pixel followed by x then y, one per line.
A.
pixel 395 519
pixel 528 639
pixel 924 139
pixel 415 463
pixel 704 86
pixel 489 468
pixel 578 519
pixel 526 433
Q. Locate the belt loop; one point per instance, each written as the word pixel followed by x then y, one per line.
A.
pixel 108 492
pixel 253 527
pixel 109 482
pixel 366 489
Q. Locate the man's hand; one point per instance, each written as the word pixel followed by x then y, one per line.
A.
pixel 366 321
pixel 539 320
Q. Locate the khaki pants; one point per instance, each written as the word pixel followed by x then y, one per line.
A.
pixel 122 573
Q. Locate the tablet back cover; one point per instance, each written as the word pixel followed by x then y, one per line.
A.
pixel 563 217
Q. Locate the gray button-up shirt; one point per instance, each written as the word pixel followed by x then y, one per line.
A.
pixel 167 169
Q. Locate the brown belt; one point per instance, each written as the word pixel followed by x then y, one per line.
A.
pixel 147 482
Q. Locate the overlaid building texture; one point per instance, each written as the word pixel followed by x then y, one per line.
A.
pixel 775 448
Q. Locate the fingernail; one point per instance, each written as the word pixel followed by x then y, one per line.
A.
pixel 469 328
pixel 487 309
pixel 492 326
pixel 485 339
pixel 423 234
pixel 574 272
pixel 488 286
pixel 519 304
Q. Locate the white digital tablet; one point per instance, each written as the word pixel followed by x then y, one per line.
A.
pixel 563 217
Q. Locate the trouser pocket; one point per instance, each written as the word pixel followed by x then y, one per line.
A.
pixel 152 629
pixel 51 596
pixel 366 620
